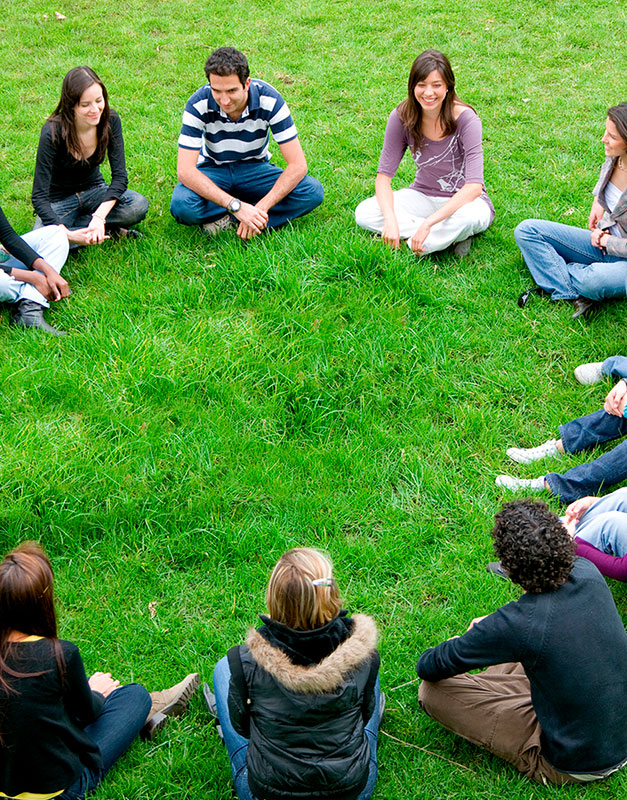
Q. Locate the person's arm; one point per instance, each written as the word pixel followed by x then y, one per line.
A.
pixel 607 564
pixel 368 704
pixel 470 135
pixel 189 175
pixel 295 170
pixel 596 213
pixel 15 245
pixel 238 700
pixel 81 702
pixel 46 154
pixel 119 179
pixel 395 142
pixel 385 198
pixel 613 245
pixel 616 399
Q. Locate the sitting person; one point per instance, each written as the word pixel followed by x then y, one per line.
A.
pixel 61 733
pixel 553 699
pixel 580 434
pixel 68 188
pixel 586 265
pixel 599 528
pixel 29 273
pixel 223 161
pixel 447 203
pixel 299 703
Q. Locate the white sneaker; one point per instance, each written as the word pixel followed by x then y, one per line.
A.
pixel 525 455
pixel 218 225
pixel 589 373
pixel 513 484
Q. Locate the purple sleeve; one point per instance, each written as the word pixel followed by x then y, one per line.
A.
pixel 395 143
pixel 470 134
pixel 608 565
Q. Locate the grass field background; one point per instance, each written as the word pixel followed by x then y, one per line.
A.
pixel 218 403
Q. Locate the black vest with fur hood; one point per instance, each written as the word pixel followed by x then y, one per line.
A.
pixel 303 699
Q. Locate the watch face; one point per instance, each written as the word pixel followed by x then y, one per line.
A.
pixel 234 205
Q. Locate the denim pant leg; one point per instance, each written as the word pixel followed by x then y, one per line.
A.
pixel 189 208
pixel 253 180
pixel 372 730
pixel 236 745
pixel 563 261
pixel 123 716
pixel 615 366
pixel 130 209
pixel 604 525
pixel 49 242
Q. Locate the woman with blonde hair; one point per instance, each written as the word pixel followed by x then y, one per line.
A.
pixel 60 732
pixel 299 704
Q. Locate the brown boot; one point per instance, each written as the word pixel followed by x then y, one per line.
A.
pixel 173 702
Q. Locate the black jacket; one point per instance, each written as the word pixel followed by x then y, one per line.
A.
pixel 303 699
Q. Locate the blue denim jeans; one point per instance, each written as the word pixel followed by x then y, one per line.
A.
pixel 615 366
pixel 237 745
pixel 248 181
pixel 123 716
pixel 75 210
pixel 605 471
pixel 564 263
pixel 604 526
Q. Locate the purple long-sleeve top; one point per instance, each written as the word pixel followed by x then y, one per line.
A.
pixel 607 564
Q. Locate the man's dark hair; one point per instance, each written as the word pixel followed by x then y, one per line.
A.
pixel 533 545
pixel 227 61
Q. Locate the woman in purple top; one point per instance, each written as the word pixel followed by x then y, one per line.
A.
pixel 447 203
pixel 599 528
pixel 585 265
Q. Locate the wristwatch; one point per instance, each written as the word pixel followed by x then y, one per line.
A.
pixel 234 206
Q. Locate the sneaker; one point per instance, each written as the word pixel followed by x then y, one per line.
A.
pixel 173 702
pixel 525 455
pixel 496 568
pixel 218 225
pixel 513 484
pixel 589 373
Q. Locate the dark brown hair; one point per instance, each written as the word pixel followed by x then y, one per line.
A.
pixel 618 115
pixel 410 111
pixel 26 603
pixel 74 84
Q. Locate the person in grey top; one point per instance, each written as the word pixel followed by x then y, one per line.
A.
pixel 447 203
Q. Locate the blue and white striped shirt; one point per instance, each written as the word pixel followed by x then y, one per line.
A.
pixel 221 141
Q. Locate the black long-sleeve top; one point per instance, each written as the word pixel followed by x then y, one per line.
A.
pixel 14 245
pixel 44 748
pixel 58 174
pixel 573 647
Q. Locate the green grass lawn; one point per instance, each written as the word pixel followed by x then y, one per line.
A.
pixel 218 403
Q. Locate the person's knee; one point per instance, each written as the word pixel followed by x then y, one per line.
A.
pixel 136 697
pixel 140 206
pixel 183 205
pixel 365 211
pixel 525 230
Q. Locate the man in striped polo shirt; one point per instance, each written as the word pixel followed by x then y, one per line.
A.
pixel 223 163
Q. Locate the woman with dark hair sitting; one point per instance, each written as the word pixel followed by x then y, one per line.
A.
pixel 586 265
pixel 68 188
pixel 299 703
pixel 60 732
pixel 447 203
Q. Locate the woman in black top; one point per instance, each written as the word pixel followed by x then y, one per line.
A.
pixel 68 188
pixel 59 731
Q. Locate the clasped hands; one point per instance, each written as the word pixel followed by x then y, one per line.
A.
pixel 252 220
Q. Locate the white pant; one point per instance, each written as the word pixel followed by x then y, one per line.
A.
pixel 52 245
pixel 412 208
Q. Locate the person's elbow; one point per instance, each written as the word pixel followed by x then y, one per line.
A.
pixel 473 191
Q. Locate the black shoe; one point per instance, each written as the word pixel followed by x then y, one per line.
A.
pixel 497 569
pixel 153 726
pixel 29 314
pixel 212 708
pixel 523 298
pixel 125 233
pixel 583 306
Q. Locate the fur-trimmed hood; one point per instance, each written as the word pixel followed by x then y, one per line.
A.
pixel 330 673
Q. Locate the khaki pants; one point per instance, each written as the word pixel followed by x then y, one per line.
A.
pixel 494 710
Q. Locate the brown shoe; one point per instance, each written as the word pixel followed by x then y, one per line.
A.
pixel 173 702
pixel 582 306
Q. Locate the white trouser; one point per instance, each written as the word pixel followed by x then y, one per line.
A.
pixel 52 245
pixel 412 208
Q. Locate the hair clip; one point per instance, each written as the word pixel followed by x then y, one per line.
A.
pixel 323 582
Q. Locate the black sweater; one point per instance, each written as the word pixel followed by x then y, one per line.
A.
pixel 43 747
pixel 573 647
pixel 58 174
pixel 14 245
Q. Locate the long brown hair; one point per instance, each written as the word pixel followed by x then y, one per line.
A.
pixel 618 115
pixel 410 110
pixel 74 84
pixel 26 604
pixel 294 599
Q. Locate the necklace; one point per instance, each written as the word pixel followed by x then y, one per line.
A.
pixel 620 164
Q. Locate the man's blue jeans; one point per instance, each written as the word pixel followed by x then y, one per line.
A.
pixel 248 181
pixel 75 210
pixel 563 262
pixel 605 471
pixel 237 745
pixel 615 367
pixel 123 716
pixel 604 526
